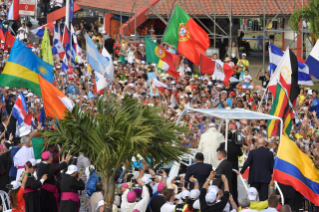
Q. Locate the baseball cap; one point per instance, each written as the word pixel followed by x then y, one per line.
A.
pixel 210 197
pixel 146 180
pixel 194 194
pixel 252 193
pixel 15 185
pixel 243 54
pixel 219 86
pixel 72 169
pixel 213 188
pixel 223 91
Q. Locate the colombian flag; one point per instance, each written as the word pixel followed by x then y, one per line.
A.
pixel 281 108
pixel 293 167
pixel 23 67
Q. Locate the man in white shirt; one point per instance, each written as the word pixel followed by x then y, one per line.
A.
pixel 272 203
pixel 245 204
pixel 21 35
pixel 169 196
pixel 23 155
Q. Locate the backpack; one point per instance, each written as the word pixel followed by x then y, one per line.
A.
pixel 90 187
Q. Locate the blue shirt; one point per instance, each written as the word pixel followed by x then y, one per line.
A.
pixel 13 169
pixel 71 89
pixel 315 106
pixel 229 102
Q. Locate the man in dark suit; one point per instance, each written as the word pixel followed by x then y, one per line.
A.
pixel 109 44
pixel 233 152
pixel 199 170
pixel 261 162
pixel 3 125
pixel 225 168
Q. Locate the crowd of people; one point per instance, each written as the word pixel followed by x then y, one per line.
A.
pixel 40 180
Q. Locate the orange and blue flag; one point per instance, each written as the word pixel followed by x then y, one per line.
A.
pixel 293 167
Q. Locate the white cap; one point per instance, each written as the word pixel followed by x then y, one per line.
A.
pixel 24 130
pixel 25 92
pixel 142 62
pixel 191 80
pixel 33 162
pixel 30 94
pixel 210 83
pixel 250 87
pixel 205 78
pixel 210 197
pixel 141 44
pixel 244 86
pixel 243 54
pixel 194 194
pixel 185 194
pixel 146 180
pixel 213 188
pixel 72 169
pixel 104 32
pixel 219 86
pixel 15 185
pixel 223 91
pixel 212 125
pixel 164 78
pixel 252 193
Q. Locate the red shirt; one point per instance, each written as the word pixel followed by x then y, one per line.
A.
pixel 20 203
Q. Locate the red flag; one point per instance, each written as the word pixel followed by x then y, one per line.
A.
pixel 220 70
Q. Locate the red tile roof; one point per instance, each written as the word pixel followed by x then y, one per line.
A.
pixel 113 5
pixel 239 7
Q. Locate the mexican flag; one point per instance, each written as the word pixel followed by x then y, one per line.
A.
pixel 165 60
pixel 186 35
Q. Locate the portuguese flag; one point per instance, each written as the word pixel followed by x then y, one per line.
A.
pixel 282 109
pixel 186 35
pixel 165 60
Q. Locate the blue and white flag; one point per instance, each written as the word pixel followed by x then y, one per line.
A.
pixel 313 61
pixel 65 66
pixel 57 48
pixel 20 109
pixel 71 11
pixel 275 55
pixel 109 73
pixel 94 58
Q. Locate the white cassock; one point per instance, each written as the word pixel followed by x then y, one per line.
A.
pixel 21 157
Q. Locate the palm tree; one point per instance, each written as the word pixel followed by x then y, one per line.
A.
pixel 310 13
pixel 117 132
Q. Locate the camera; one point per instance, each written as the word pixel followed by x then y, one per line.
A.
pixel 159 172
pixel 9 186
pixel 237 138
pixel 177 178
pixel 134 180
pixel 218 176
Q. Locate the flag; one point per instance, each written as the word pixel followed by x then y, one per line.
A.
pixel 168 61
pixel 22 69
pixel 40 30
pixel 159 85
pixel 46 52
pixel 313 60
pixel 109 73
pixel 152 51
pixel 20 109
pixel 94 58
pixel 295 168
pixel 42 117
pixel 66 36
pixel 13 13
pixel 70 72
pixel 281 108
pixel 71 11
pixel 77 47
pixel 6 37
pixel 275 55
pixel 54 101
pixel 29 120
pixel 220 70
pixel 287 74
pixel 186 35
pixel 65 66
pixel 101 81
pixel 57 48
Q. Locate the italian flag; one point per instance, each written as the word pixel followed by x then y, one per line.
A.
pixel 186 35
pixel 165 60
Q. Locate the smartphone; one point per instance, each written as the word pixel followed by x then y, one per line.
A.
pixel 134 180
pixel 159 172
pixel 178 178
pixel 218 176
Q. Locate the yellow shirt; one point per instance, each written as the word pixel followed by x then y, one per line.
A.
pixel 243 62
pixel 302 98
pixel 259 206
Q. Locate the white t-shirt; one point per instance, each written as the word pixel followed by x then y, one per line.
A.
pixel 247 78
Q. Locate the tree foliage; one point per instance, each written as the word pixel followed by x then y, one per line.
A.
pixel 310 13
pixel 118 131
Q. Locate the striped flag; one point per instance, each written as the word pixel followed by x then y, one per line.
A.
pixel 281 108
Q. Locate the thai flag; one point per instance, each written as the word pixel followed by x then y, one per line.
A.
pixel 275 55
pixel 20 109
pixel 40 31
pixel 57 45
pixel 313 60
pixel 13 13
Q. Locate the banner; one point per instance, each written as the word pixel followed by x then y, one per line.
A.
pixel 153 89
